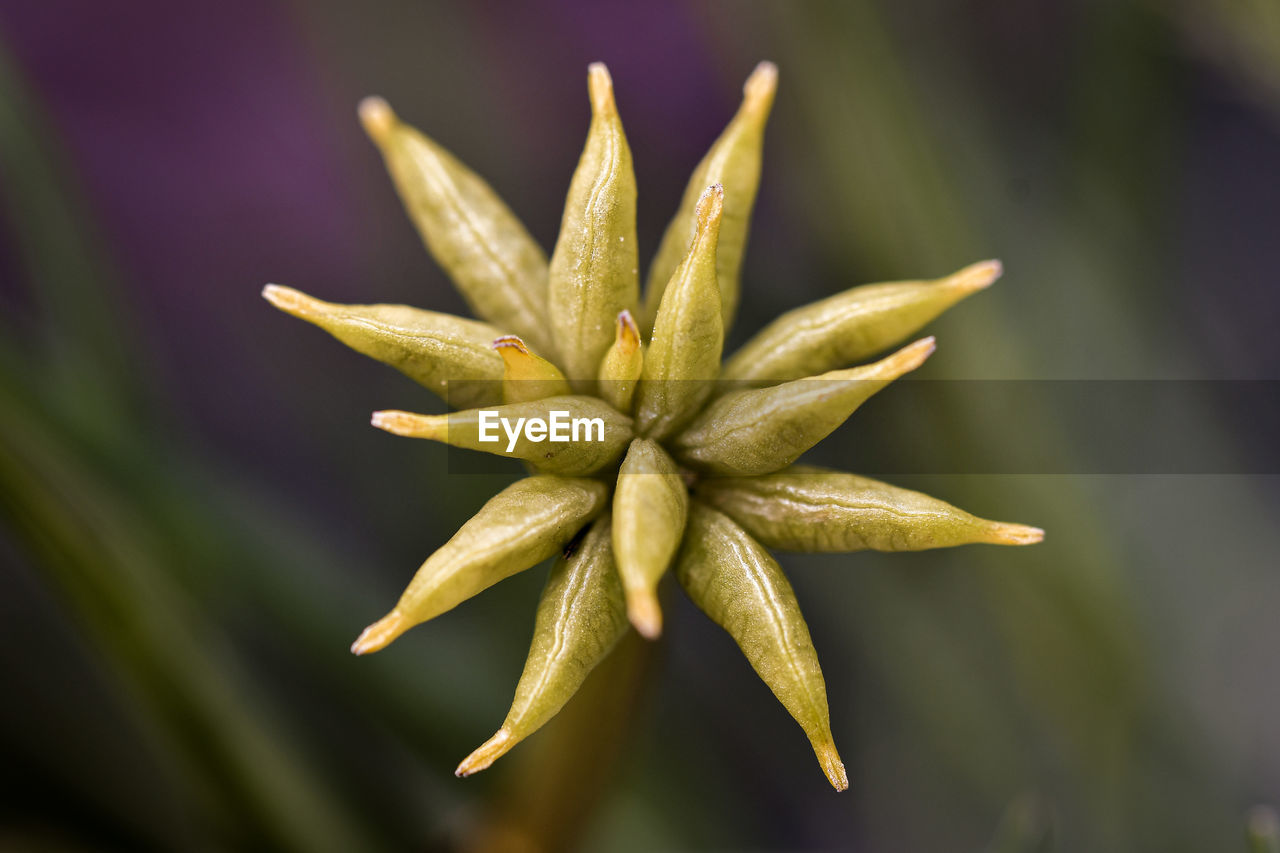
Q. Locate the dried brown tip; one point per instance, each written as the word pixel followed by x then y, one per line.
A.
pixel 710 206
pixel 977 276
pixel 380 634
pixel 628 334
pixel 832 765
pixel 292 301
pixel 644 613
pixel 510 342
pixel 488 752
pixel 518 363
pixel 377 117
pixel 1003 533
pixel 410 425
pixel 758 91
pixel 516 358
pixel 600 85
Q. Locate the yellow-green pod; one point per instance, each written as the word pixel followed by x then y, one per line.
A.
pixel 649 510
pixel 683 360
pixel 525 375
pixel 571 436
pixel 449 355
pixel 581 616
pixel 803 508
pixel 765 429
pixel 594 267
pixel 735 582
pixel 519 527
pixel 622 365
pixel 733 161
pixel 850 326
pixel 499 269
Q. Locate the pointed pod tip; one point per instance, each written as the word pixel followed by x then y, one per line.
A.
pixel 839 778
pixel 380 634
pixel 509 342
pixel 892 366
pixel 1003 533
pixel 644 613
pixel 628 334
pixel 291 301
pixel 488 752
pixel 832 766
pixel 760 87
pixel 526 376
pixel 912 355
pixel 515 356
pixel 710 206
pixel 377 117
pixel 600 86
pixel 977 276
pixel 408 424
pixel 389 420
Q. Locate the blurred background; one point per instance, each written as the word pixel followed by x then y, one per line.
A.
pixel 196 520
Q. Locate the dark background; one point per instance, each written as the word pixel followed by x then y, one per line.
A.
pixel 196 520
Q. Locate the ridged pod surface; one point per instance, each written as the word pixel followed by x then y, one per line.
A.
pixel 595 267
pixel 694 466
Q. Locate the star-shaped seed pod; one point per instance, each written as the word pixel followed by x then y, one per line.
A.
pixel 690 470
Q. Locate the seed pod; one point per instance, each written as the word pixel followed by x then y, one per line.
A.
pixel 850 326
pixel 581 616
pixel 734 161
pixel 735 582
pixel 803 508
pixel 519 527
pixel 684 354
pixel 446 354
pixel 578 435
pixel 526 376
pixel 594 267
pixel 649 511
pixel 765 429
pixel 621 366
pixel 499 269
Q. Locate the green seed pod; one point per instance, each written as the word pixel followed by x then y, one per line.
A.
pixel 594 266
pixel 684 353
pixel 581 358
pixel 762 430
pixel 570 436
pixel 526 376
pixel 803 508
pixel 432 349
pixel 622 365
pixel 499 269
pixel 581 616
pixel 649 510
pixel 734 161
pixel 735 582
pixel 850 326
pixel 519 527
